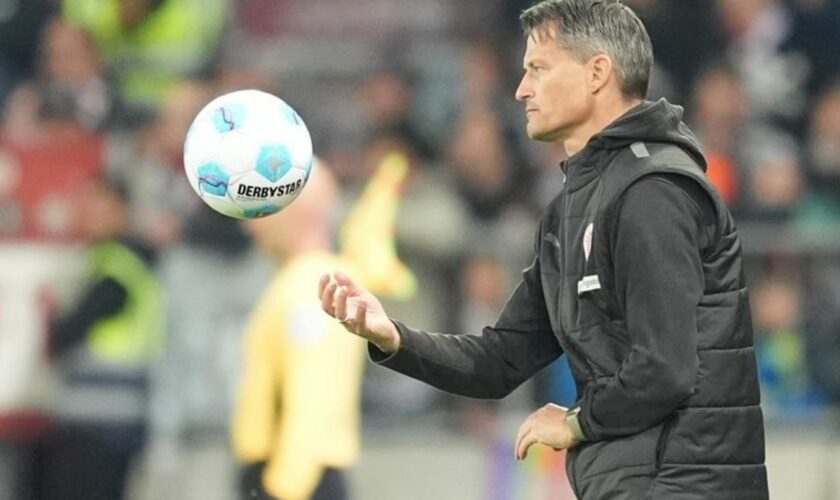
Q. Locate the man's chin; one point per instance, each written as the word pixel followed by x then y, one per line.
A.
pixel 542 135
pixel 546 134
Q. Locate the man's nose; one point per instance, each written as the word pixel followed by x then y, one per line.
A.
pixel 524 91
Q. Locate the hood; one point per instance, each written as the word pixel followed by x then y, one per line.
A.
pixel 651 122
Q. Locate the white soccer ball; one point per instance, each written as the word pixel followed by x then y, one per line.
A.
pixel 248 154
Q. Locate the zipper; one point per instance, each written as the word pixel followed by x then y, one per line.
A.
pixel 561 296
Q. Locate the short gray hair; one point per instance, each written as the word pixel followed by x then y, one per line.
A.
pixel 590 27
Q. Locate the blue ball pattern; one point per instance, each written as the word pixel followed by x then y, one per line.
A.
pixel 262 211
pixel 273 162
pixel 228 117
pixel 213 179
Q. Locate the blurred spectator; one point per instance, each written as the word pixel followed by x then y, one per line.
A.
pixel 484 289
pixel 27 303
pixel 262 18
pixel 151 44
pixel 822 320
pixel 816 35
pixel 164 199
pixel 104 346
pixel 774 76
pixel 818 222
pixel 21 22
pixel 687 36
pixel 386 98
pixel 234 77
pixel 755 166
pixel 787 388
pixel 70 90
pixel 487 148
pixel 38 180
pixel 489 173
pixel 483 79
pixel 386 140
pixel 822 204
pixel 487 86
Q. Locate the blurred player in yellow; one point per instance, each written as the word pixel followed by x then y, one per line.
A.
pixel 297 421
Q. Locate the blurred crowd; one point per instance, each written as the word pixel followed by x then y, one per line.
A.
pixel 93 87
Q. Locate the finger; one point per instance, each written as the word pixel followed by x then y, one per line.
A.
pixel 518 445
pixel 360 318
pixel 340 304
pixel 328 298
pixel 522 451
pixel 344 280
pixel 524 443
pixel 523 430
pixel 322 284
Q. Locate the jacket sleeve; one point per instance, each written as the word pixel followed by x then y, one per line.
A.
pixel 103 299
pixel 487 365
pixel 659 281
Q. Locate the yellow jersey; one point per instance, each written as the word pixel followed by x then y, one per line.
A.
pixel 298 406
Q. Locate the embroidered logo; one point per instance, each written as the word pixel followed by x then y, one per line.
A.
pixel 587 240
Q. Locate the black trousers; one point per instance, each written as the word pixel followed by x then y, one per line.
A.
pixel 91 461
pixel 333 484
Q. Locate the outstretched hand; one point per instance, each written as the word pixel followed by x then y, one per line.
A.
pixel 358 310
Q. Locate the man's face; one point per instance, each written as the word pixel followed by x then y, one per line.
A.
pixel 100 213
pixel 554 90
pixel 270 233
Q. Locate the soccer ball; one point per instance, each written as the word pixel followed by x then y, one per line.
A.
pixel 248 154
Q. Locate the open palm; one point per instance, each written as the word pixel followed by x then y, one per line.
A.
pixel 358 310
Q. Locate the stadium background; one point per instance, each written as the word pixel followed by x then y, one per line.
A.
pixel 433 79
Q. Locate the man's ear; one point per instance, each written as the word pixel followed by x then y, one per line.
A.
pixel 600 72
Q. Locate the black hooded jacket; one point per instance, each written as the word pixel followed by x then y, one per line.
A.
pixel 637 278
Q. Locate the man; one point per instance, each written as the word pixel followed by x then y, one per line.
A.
pixel 104 347
pixel 151 45
pixel 636 277
pixel 296 425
